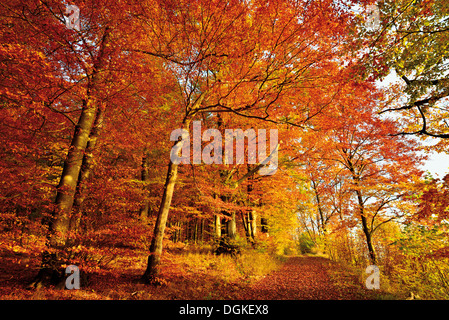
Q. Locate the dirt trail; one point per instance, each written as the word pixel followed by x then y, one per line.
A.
pixel 309 278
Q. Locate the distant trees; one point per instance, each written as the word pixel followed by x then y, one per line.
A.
pixel 361 152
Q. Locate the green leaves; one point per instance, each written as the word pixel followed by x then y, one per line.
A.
pixel 414 43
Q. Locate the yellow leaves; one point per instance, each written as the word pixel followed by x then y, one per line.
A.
pixel 16 248
pixel 77 249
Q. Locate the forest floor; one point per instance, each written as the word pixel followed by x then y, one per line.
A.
pixel 310 278
pixel 193 275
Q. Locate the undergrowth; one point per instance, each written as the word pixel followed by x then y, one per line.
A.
pixel 188 272
pixel 247 266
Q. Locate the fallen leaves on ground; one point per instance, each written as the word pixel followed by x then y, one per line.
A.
pixel 307 278
pixel 190 277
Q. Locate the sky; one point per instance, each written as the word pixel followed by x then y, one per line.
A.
pixel 437 165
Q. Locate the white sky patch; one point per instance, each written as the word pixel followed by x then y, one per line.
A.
pixel 437 163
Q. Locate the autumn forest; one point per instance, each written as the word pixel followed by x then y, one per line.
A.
pixel 210 149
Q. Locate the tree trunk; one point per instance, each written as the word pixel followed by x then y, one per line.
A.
pixel 195 232
pixel 86 169
pixel 231 227
pixel 144 209
pixel 201 238
pixel 154 257
pixel 145 176
pixel 253 224
pixel 251 216
pixel 245 222
pixel 250 224
pixel 65 196
pixel 58 234
pixel 176 235
pixel 321 221
pixel 366 231
pixel 217 226
pixel 59 224
pixel 369 242
pixel 264 225
pixel 365 228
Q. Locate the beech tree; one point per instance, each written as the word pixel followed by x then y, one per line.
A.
pixel 83 75
pixel 411 43
pixel 378 163
pixel 60 48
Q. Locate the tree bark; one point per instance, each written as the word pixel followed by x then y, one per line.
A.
pixel 145 176
pixel 366 231
pixel 156 246
pixel 86 169
pixel 65 196
pixel 253 224
pixel 217 226
pixel 154 257
pixel 231 227
pixel 201 231
pixel 250 224
pixel 60 220
pixel 365 228
pixel 264 225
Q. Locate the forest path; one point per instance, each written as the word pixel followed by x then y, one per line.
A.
pixel 309 278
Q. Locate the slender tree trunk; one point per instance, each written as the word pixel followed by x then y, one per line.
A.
pixel 177 235
pixel 250 224
pixel 144 209
pixel 154 257
pixel 251 216
pixel 195 232
pixel 231 227
pixel 201 238
pixel 178 231
pixel 264 225
pixel 321 221
pixel 245 222
pixel 369 241
pixel 253 224
pixel 365 228
pixel 366 231
pixel 217 226
pixel 145 176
